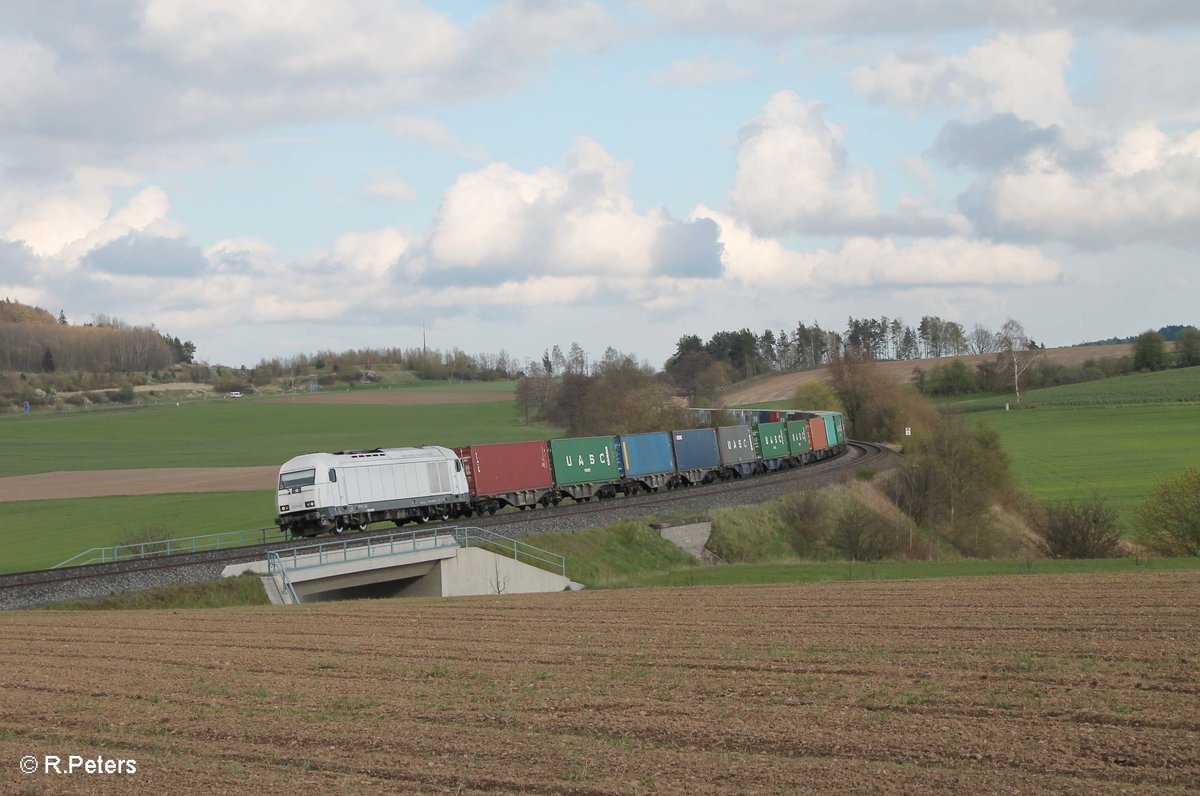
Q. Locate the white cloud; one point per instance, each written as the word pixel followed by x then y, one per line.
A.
pixel 372 252
pixel 576 220
pixel 386 184
pixel 698 71
pixel 793 176
pixel 431 133
pixel 1145 79
pixel 770 19
pixel 1146 186
pixel 1011 73
pixel 871 262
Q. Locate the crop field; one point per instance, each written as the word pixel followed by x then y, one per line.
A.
pixel 1035 684
pixel 232 433
pixel 1120 454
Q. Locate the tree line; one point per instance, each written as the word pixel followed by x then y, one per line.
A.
pixel 34 341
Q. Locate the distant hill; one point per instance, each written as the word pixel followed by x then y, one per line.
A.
pixel 780 386
pixel 16 312
pixel 1169 333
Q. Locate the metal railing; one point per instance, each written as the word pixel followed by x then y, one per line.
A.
pixel 164 547
pixel 278 572
pixel 526 553
pixel 359 548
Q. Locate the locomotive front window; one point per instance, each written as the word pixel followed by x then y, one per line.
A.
pixel 297 479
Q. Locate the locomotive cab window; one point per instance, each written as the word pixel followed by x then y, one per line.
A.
pixel 297 479
pixel 332 476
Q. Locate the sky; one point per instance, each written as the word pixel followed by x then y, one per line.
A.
pixel 279 177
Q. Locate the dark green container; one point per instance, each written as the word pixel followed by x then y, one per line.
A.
pixel 797 435
pixel 770 441
pixel 584 460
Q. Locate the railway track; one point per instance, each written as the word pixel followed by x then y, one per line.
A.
pixel 110 577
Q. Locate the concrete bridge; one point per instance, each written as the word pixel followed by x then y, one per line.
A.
pixel 443 563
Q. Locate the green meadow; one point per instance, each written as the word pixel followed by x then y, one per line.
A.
pixel 231 433
pixel 42 533
pixel 1116 438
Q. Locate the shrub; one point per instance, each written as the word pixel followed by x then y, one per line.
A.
pixel 1169 519
pixel 1087 529
pixel 863 534
pixel 804 516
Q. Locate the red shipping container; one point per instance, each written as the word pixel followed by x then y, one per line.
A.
pixel 816 433
pixel 506 467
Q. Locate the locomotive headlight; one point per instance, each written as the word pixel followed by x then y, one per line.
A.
pixel 284 508
pixel 308 504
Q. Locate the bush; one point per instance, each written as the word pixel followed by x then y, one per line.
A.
pixel 804 516
pixel 863 534
pixel 1169 519
pixel 1087 529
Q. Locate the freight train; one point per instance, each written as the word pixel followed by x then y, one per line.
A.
pixel 334 492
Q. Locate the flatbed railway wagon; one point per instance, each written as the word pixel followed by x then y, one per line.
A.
pixel 508 474
pixel 736 446
pixel 797 437
pixel 697 457
pixel 586 467
pixel 647 461
pixel 322 492
pixel 771 445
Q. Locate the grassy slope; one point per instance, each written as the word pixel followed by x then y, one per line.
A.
pixel 42 533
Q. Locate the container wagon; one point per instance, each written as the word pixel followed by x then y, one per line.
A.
pixel 736 445
pixel 817 438
pixel 647 461
pixel 585 467
pixel 771 445
pixel 697 458
pixel 507 474
pixel 797 437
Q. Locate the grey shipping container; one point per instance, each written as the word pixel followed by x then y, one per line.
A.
pixel 735 444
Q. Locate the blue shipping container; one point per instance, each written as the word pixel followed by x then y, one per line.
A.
pixel 696 448
pixel 646 454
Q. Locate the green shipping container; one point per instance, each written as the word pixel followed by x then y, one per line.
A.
pixel 770 441
pixel 797 435
pixel 584 460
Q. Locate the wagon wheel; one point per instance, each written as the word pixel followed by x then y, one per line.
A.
pixel 444 513
pixel 338 528
pixel 362 526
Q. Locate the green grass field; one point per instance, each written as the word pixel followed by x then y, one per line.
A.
pixel 1117 453
pixel 42 533
pixel 1116 438
pixel 242 433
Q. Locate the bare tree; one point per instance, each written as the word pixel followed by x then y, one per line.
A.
pixel 982 341
pixel 1015 353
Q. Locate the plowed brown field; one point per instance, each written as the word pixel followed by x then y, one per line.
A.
pixel 1068 684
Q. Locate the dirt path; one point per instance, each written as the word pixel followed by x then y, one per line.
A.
pixel 1079 684
pixel 151 481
